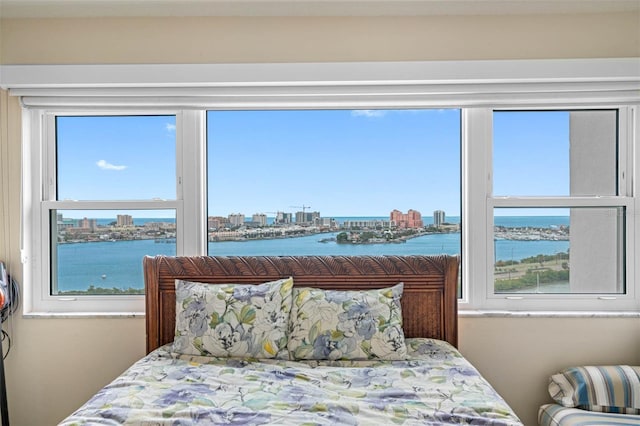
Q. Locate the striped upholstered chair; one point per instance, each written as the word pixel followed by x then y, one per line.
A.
pixel 593 395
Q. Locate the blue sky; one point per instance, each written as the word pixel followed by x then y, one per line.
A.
pixel 116 158
pixel 531 153
pixel 337 162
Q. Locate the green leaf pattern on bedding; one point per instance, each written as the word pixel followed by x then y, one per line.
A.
pixel 243 321
pixel 331 324
pixel 435 385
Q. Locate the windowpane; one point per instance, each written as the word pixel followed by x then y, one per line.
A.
pixel 101 251
pixel 320 182
pixel 563 250
pixel 116 157
pixel 555 153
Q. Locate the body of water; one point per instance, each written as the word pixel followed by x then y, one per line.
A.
pixel 119 264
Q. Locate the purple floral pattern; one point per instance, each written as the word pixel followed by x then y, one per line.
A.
pixel 347 325
pixel 233 320
pixel 435 385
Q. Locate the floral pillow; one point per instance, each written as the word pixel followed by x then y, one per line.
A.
pixel 233 320
pixel 347 325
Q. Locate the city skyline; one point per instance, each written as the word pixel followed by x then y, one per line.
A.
pixel 119 213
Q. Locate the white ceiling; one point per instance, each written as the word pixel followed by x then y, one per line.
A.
pixel 131 8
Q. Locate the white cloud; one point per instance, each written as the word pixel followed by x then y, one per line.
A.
pixel 375 113
pixel 368 113
pixel 171 127
pixel 108 166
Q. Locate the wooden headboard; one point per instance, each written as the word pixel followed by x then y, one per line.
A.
pixel 429 302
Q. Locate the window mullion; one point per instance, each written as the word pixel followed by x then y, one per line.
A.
pixel 191 184
pixel 568 201
pixel 476 184
pixel 49 158
pixel 111 205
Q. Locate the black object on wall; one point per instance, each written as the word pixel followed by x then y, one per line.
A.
pixel 8 304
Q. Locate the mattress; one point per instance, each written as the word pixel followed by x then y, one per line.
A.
pixel 434 385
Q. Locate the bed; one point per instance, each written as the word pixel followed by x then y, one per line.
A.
pixel 293 340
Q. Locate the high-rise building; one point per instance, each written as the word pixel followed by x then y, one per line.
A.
pixel 236 219
pixel 282 217
pixel 259 219
pixel 438 218
pixel 124 220
pixel 90 224
pixel 307 217
pixel 412 219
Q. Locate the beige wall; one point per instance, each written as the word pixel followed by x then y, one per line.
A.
pixel 517 355
pixel 56 364
pixel 207 40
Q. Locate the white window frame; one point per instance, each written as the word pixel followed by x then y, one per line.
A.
pixel 476 87
pixel 40 170
pixel 481 201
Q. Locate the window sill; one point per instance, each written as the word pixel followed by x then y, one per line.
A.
pixel 546 314
pixel 78 315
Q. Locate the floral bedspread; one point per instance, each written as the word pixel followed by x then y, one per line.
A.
pixel 435 386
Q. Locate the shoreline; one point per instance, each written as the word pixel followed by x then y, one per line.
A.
pixel 533 235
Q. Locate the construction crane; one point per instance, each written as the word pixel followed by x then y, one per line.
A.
pixel 304 216
pixel 303 207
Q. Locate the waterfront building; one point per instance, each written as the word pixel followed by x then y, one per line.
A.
pixel 89 224
pixel 283 218
pixel 366 224
pixel 438 218
pixel 224 236
pixel 236 219
pixel 307 217
pixel 64 223
pixel 325 222
pixel 259 219
pixel 124 220
pixel 159 226
pixel 216 222
pixel 412 219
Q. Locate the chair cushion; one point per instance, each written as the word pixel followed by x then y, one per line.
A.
pixel 608 389
pixel 557 415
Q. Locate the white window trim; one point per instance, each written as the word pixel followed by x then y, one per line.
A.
pixel 477 87
pixel 39 166
pixel 478 219
pixel 583 302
